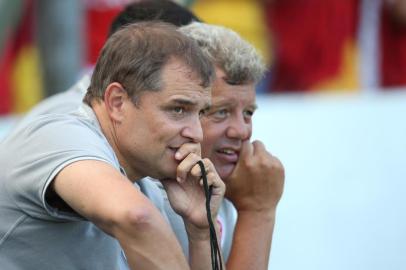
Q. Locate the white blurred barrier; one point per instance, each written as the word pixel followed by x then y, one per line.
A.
pixel 344 205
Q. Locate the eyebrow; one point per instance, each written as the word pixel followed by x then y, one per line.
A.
pixel 226 102
pixel 187 102
pixel 182 101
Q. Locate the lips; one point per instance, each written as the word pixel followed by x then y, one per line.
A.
pixel 228 155
pixel 173 148
pixel 173 151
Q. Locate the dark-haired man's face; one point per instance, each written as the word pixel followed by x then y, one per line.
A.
pixel 228 123
pixel 162 121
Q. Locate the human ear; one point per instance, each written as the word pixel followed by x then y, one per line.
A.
pixel 114 99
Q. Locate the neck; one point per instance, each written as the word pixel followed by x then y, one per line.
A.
pixel 107 126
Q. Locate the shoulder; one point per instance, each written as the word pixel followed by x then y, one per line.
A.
pixel 36 152
pixel 55 139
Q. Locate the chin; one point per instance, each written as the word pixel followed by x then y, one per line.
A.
pixel 169 165
pixel 225 171
pixel 168 174
pixel 166 170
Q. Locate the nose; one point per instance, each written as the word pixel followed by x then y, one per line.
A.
pixel 193 131
pixel 239 128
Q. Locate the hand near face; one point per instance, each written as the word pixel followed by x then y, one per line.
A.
pixel 256 183
pixel 186 194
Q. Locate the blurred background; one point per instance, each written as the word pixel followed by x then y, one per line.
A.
pixel 330 107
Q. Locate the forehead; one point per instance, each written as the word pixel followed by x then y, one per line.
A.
pixel 224 93
pixel 181 85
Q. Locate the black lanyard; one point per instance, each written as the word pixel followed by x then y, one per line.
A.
pixel 215 251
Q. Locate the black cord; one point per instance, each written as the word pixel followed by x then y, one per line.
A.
pixel 214 248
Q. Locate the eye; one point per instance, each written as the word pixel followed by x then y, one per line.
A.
pixel 178 110
pixel 221 114
pixel 248 113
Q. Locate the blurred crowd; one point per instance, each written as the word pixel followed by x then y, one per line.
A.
pixel 309 45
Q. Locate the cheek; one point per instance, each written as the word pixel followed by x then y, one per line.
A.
pixel 207 148
pixel 128 133
pixel 168 132
pixel 212 134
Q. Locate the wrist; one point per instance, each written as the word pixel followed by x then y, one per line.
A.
pixel 197 233
pixel 263 215
pixel 254 207
pixel 253 203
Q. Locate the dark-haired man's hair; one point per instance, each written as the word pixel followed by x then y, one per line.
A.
pixel 153 10
pixel 135 55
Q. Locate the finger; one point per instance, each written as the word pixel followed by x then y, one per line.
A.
pixel 214 180
pixel 186 149
pixel 186 166
pixel 211 179
pixel 258 148
pixel 197 172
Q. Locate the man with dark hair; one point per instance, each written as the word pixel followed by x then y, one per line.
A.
pixel 151 10
pixel 66 199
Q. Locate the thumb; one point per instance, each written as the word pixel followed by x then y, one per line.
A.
pixel 245 152
pixel 247 149
pixel 258 147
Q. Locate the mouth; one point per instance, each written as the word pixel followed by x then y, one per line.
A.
pixel 173 149
pixel 228 155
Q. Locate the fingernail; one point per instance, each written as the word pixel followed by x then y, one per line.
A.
pixel 179 179
pixel 177 155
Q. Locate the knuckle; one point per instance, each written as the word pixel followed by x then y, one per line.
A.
pixel 278 165
pixel 195 172
pixel 207 163
pixel 247 161
pixel 195 157
pixel 179 170
pixel 195 148
pixel 267 162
